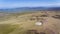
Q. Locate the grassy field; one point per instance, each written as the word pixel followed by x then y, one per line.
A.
pixel 24 23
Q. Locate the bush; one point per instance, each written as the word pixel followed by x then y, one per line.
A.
pixel 56 16
pixel 32 32
pixel 43 16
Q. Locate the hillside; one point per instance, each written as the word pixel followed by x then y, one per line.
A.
pixel 25 23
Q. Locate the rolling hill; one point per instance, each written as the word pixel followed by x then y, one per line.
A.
pixel 24 23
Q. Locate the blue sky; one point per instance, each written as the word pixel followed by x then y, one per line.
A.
pixel 28 3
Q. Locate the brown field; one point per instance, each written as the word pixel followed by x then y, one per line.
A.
pixel 25 23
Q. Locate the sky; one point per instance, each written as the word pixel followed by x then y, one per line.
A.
pixel 29 3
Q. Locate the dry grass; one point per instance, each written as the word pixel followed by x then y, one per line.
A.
pixel 23 23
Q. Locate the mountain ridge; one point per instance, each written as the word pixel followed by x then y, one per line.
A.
pixel 23 9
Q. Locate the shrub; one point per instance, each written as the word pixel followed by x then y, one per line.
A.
pixel 43 16
pixel 56 16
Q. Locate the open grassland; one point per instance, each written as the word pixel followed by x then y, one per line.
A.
pixel 24 23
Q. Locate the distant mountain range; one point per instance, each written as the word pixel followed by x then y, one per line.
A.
pixel 23 9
